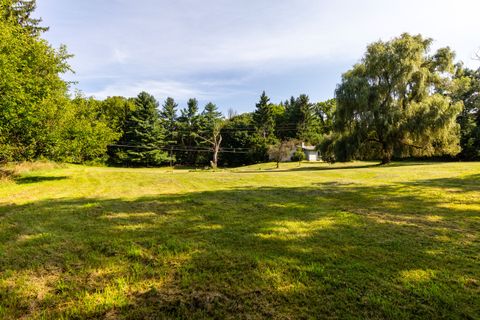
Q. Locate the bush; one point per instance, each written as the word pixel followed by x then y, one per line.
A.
pixel 299 155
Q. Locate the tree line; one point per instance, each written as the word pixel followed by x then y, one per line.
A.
pixel 401 100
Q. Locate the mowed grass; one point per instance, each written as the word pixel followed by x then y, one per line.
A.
pixel 349 241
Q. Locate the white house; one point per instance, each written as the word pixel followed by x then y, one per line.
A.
pixel 311 154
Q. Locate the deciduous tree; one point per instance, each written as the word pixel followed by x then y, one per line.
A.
pixel 210 135
pixel 466 89
pixel 280 151
pixel 392 103
pixel 33 97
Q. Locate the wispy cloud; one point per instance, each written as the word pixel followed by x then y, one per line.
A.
pixel 157 88
pixel 181 91
pixel 120 56
pixel 268 42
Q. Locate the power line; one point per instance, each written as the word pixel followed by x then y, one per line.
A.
pixel 185 149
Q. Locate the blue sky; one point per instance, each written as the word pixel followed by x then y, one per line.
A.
pixel 229 51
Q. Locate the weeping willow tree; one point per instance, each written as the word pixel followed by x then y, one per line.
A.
pixel 394 103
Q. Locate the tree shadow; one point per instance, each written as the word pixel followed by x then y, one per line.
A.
pixel 308 167
pixel 463 184
pixel 330 250
pixel 37 179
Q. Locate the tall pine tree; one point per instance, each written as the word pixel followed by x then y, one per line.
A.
pixel 168 118
pixel 143 139
pixel 301 120
pixel 308 122
pixel 188 124
pixel 264 118
pixel 20 12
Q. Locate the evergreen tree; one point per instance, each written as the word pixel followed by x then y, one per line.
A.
pixel 308 124
pixel 143 140
pixel 301 120
pixel 168 118
pixel 289 123
pixel 20 12
pixel 210 116
pixel 264 118
pixel 188 124
pixel 190 114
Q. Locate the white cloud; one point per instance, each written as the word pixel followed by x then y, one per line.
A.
pixel 181 91
pixel 156 88
pixel 143 42
pixel 120 56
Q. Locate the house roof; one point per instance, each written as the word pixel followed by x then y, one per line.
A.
pixel 309 148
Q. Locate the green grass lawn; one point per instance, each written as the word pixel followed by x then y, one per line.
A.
pixel 315 241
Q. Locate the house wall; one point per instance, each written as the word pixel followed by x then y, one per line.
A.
pixel 311 155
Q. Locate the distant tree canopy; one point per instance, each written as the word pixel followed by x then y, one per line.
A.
pixel 143 138
pixel 85 132
pixel 393 103
pixel 466 89
pixel 399 101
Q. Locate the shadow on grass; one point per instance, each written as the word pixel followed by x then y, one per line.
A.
pixel 346 166
pixel 37 179
pixel 469 183
pixel 333 251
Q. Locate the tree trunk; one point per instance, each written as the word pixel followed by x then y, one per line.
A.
pixel 216 149
pixel 386 159
pixel 215 158
pixel 387 154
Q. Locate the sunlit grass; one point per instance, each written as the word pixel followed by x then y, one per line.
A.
pixel 303 241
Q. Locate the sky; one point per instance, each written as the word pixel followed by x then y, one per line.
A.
pixel 229 51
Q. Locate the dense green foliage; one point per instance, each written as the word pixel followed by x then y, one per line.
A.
pixel 264 119
pixel 168 119
pixel 143 138
pixel 301 121
pixel 32 95
pixel 189 123
pixel 19 12
pixel 345 241
pixel 392 103
pixel 466 88
pixel 37 117
pixel 85 133
pixel 399 101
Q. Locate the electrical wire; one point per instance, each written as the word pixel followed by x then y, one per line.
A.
pixel 185 149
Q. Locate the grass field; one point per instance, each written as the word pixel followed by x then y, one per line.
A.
pixel 316 241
